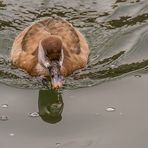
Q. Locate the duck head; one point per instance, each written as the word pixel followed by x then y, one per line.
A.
pixel 50 56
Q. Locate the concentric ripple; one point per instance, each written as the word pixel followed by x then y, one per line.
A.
pixel 117 33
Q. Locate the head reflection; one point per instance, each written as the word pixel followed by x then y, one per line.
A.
pixel 50 105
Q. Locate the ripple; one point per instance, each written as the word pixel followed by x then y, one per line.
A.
pixel 4 106
pixel 11 134
pixel 110 109
pixel 3 118
pixel 131 1
pixel 117 37
pixel 34 114
pixel 58 144
pixel 126 21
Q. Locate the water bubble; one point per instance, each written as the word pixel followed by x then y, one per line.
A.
pixel 34 114
pixel 4 105
pixel 110 109
pixel 11 134
pixel 3 118
pixel 138 76
pixel 121 113
pixel 58 144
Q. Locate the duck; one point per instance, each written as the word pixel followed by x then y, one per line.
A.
pixel 51 47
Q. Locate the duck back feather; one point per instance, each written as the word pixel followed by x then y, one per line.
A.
pixel 25 47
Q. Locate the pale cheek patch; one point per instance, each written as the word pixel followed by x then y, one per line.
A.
pixel 41 57
pixel 62 58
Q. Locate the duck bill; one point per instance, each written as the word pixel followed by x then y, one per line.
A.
pixel 56 82
pixel 56 79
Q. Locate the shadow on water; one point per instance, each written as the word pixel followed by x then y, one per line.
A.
pixel 50 104
pixel 125 21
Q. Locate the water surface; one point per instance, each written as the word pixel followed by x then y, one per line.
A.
pixel 116 31
pixel 35 117
pixel 85 122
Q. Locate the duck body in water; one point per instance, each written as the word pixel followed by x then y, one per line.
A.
pixel 51 47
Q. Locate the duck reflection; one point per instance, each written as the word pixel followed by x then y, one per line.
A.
pixel 50 105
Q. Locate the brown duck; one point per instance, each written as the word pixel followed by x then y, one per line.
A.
pixel 51 47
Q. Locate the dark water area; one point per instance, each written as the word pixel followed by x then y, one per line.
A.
pixel 112 114
pixel 116 32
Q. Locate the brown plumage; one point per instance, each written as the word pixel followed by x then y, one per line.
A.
pixel 52 47
pixel 54 34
